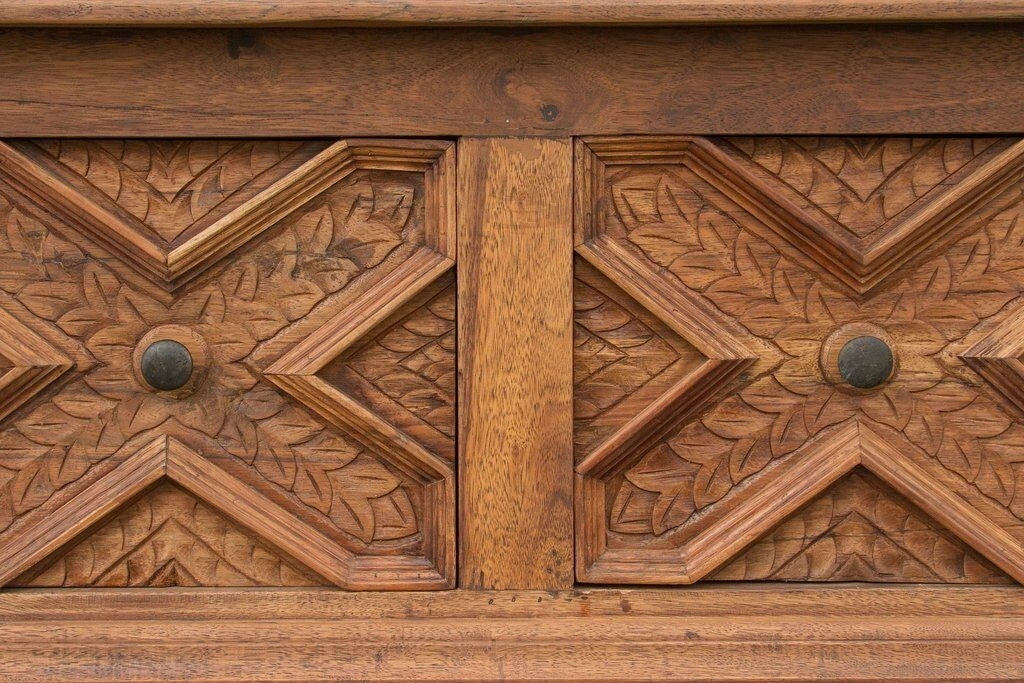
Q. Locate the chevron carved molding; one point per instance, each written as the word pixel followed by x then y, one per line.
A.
pixel 785 250
pixel 243 256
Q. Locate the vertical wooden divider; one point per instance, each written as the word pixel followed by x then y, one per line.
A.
pixel 515 363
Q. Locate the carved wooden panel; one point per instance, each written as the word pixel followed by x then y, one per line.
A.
pixel 169 538
pixel 272 263
pixel 767 256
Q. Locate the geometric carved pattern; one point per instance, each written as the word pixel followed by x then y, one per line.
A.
pixel 860 530
pixel 405 369
pixel 625 358
pixel 246 252
pixel 170 539
pixel 792 247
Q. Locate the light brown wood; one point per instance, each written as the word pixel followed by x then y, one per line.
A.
pixel 554 82
pixel 487 12
pixel 515 357
pixel 792 247
pixel 256 251
pixel 720 633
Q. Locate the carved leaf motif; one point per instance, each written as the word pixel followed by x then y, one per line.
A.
pixel 360 229
pixel 169 184
pixel 861 183
pixel 671 477
pixel 860 530
pixel 360 483
pixel 374 224
pixel 168 538
pixel 681 226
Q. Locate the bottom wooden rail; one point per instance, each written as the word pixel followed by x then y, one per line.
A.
pixel 722 632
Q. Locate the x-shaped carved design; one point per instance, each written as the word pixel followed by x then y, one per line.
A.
pixel 104 436
pixel 693 236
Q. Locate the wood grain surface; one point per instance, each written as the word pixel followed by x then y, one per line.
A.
pixel 790 247
pixel 266 260
pixel 553 82
pixel 515 357
pixel 845 631
pixel 489 13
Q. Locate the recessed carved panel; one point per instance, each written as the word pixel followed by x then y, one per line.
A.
pixel 921 251
pixel 405 369
pixel 169 185
pixel 170 539
pixel 860 530
pixel 624 358
pixel 275 245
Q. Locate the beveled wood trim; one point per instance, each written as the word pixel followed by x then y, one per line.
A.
pixel 34 364
pixel 754 511
pixel 130 478
pixel 51 189
pixel 934 498
pixel 252 510
pixel 723 632
pixel 997 357
pixel 515 360
pixel 943 78
pixel 725 356
pixel 859 265
pixel 166 458
pixel 241 13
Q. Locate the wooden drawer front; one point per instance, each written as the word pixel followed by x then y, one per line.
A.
pixel 717 282
pixel 311 284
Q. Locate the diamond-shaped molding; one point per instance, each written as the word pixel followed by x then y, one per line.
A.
pixel 168 537
pixel 55 199
pixel 812 470
pixel 404 369
pixel 56 191
pixel 296 372
pixel 28 364
pixel 858 266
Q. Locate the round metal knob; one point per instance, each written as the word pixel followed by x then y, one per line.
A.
pixel 166 365
pixel 865 362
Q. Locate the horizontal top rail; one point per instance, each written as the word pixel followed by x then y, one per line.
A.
pixel 265 13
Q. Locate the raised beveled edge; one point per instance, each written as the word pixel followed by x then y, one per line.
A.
pixel 164 457
pixel 36 364
pixel 858 268
pixel 786 488
pixel 997 357
pixel 167 458
pixel 725 356
pixel 49 196
pixel 295 371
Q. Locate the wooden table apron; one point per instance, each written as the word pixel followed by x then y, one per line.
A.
pixel 500 127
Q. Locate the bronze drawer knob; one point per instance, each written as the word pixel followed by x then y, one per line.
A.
pixel 166 365
pixel 865 362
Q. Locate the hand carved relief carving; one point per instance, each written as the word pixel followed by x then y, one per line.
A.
pixel 720 226
pixel 257 248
